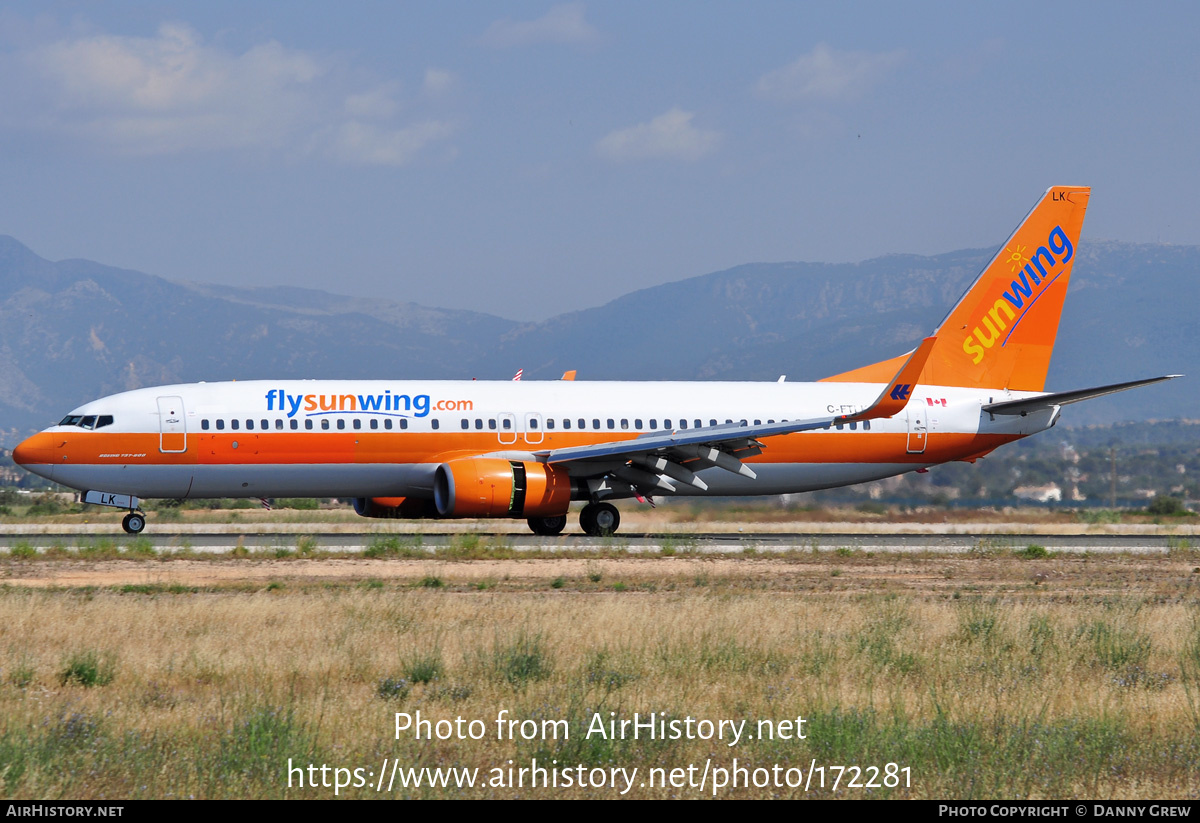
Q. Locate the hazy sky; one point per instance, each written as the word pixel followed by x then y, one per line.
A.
pixel 530 158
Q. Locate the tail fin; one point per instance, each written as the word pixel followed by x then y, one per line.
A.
pixel 1001 332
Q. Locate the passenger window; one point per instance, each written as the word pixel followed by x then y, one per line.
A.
pixel 624 423
pixel 507 423
pixel 770 422
pixel 756 422
pixel 549 422
pixel 853 425
pixel 278 424
pixel 478 422
pixel 434 423
pixel 357 423
pixel 533 424
pixel 466 424
pixel 611 424
pixel 666 424
pixel 838 426
pixel 566 422
pixel 492 423
pixel 325 423
pixel 866 425
pixel 637 423
pixel 700 424
pixel 387 423
pixel 712 422
pixel 308 424
pixel 341 424
pixel 204 424
pixel 374 423
pixel 653 423
pixel 294 424
pixel 233 424
pixel 595 422
pixel 682 423
pixel 249 425
pixel 220 425
pixel 264 424
pixel 404 424
pixel 582 423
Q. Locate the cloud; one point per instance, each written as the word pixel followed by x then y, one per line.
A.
pixel 437 82
pixel 173 93
pixel 670 135
pixel 367 144
pixel 562 24
pixel 827 74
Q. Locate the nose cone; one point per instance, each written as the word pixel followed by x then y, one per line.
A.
pixel 36 454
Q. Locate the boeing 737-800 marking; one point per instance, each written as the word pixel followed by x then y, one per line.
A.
pixel 527 449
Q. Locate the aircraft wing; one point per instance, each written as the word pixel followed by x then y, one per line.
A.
pixel 680 454
pixel 1046 401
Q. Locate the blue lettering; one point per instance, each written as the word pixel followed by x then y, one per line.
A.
pixel 422 404
pixel 370 402
pixel 1022 288
pixel 1063 246
pixel 1042 252
pixel 294 402
pixel 271 400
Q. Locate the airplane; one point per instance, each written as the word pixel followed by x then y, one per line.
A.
pixel 528 449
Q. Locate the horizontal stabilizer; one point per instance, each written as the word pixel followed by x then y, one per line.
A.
pixel 1062 398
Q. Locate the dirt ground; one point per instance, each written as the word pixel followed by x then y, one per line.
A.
pixel 1065 576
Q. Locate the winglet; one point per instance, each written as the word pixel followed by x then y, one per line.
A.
pixel 568 375
pixel 898 390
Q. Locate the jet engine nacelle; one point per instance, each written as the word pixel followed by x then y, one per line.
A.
pixel 491 487
pixel 395 508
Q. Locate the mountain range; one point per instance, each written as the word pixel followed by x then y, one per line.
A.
pixel 75 330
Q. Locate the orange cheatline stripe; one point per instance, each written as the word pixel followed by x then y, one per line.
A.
pixel 289 448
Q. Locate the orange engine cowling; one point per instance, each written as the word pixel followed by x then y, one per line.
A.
pixel 396 508
pixel 491 487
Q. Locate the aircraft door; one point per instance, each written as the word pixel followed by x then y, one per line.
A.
pixel 172 437
pixel 506 428
pixel 533 429
pixel 918 428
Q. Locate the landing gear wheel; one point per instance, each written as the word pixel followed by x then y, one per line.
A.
pixel 134 523
pixel 548 526
pixel 599 519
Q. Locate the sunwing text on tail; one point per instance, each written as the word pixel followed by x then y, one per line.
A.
pixel 527 449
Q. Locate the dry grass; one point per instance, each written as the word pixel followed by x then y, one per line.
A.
pixel 993 677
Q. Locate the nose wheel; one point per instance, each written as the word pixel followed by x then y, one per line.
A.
pixel 134 523
pixel 599 519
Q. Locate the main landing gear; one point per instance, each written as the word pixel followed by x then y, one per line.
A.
pixel 134 523
pixel 599 519
pixel 596 520
pixel 548 526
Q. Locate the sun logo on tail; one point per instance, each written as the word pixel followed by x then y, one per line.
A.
pixel 1017 258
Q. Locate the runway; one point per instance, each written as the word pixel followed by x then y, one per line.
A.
pixel 273 540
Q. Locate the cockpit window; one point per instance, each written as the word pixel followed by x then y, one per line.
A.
pixel 90 421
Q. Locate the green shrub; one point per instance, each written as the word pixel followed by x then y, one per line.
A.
pixel 88 668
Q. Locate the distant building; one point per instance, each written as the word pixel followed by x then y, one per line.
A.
pixel 1050 493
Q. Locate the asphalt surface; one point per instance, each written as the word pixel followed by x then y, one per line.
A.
pixel 703 543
